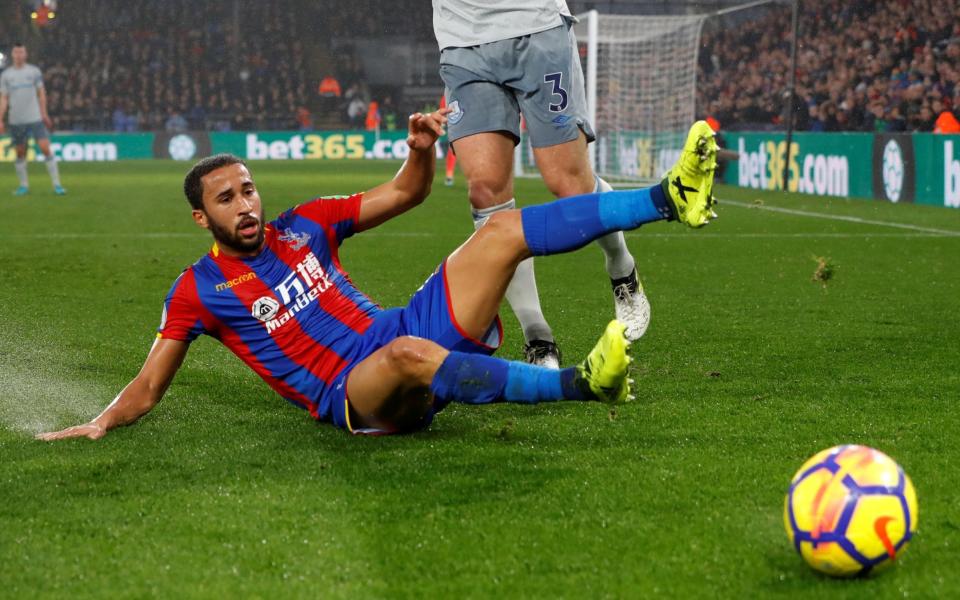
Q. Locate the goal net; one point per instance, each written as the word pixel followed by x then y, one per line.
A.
pixel 640 73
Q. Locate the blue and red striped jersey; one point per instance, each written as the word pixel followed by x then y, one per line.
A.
pixel 290 313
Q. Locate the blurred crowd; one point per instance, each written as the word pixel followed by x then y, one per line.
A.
pixel 889 65
pixel 115 65
pixel 137 65
pixel 140 65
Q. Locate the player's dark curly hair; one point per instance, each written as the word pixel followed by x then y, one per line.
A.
pixel 193 187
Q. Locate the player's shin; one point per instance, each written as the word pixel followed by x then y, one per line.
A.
pixel 53 170
pixel 20 166
pixel 619 261
pixel 480 379
pixel 574 222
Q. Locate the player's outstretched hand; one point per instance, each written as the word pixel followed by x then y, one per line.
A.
pixel 88 430
pixel 425 129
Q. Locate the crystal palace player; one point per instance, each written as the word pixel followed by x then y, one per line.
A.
pixel 276 295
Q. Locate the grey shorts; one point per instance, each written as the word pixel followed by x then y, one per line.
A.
pixel 19 134
pixel 489 86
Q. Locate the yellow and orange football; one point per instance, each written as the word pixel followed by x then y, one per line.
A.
pixel 851 510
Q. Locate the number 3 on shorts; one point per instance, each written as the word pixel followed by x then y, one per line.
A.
pixel 556 79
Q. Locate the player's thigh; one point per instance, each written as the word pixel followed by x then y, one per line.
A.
pixel 486 160
pixel 551 93
pixel 566 167
pixel 389 390
pixel 43 143
pixel 479 271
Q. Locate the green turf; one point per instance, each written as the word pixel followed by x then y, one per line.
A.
pixel 225 490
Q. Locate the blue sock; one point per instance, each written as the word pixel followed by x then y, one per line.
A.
pixel 571 223
pixel 481 379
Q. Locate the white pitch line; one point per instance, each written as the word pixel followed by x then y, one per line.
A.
pixel 817 215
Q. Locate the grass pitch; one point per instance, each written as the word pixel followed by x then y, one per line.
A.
pixel 751 365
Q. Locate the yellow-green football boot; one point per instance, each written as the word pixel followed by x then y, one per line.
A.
pixel 604 371
pixel 689 183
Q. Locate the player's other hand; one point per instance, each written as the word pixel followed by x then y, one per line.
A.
pixel 48 122
pixel 425 129
pixel 88 430
pixel 3 128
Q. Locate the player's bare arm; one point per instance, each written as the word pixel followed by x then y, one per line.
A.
pixel 412 182
pixel 137 398
pixel 42 100
pixel 3 113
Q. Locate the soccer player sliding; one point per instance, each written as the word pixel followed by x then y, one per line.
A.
pixel 275 294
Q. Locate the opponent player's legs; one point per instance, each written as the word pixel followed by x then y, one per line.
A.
pixel 559 129
pixel 486 160
pixel 567 172
pixel 20 166
pixel 53 169
pixel 484 128
pixel 479 270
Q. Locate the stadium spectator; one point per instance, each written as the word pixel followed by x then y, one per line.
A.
pixel 175 122
pixel 372 120
pixel 108 50
pixel 304 119
pixel 863 66
pixel 329 87
pixel 356 107
pixel 947 123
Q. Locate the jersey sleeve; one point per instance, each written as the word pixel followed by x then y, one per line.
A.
pixel 337 212
pixel 181 316
pixel 4 85
pixel 37 79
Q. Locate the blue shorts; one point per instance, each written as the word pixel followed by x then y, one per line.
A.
pixel 428 315
pixel 20 134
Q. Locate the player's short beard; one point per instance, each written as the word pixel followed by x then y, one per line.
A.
pixel 230 236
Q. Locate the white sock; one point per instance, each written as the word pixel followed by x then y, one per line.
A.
pixel 20 165
pixel 620 262
pixel 54 170
pixel 522 291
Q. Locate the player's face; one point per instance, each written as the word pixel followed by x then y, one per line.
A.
pixel 232 210
pixel 19 55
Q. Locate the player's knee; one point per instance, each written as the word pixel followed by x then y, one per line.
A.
pixel 504 226
pixel 484 193
pixel 571 183
pixel 413 358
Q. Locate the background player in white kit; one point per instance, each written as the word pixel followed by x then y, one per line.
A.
pixel 501 58
pixel 21 89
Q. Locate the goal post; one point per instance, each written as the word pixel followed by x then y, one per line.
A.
pixel 641 73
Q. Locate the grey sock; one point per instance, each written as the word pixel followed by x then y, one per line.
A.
pixel 522 292
pixel 54 170
pixel 21 168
